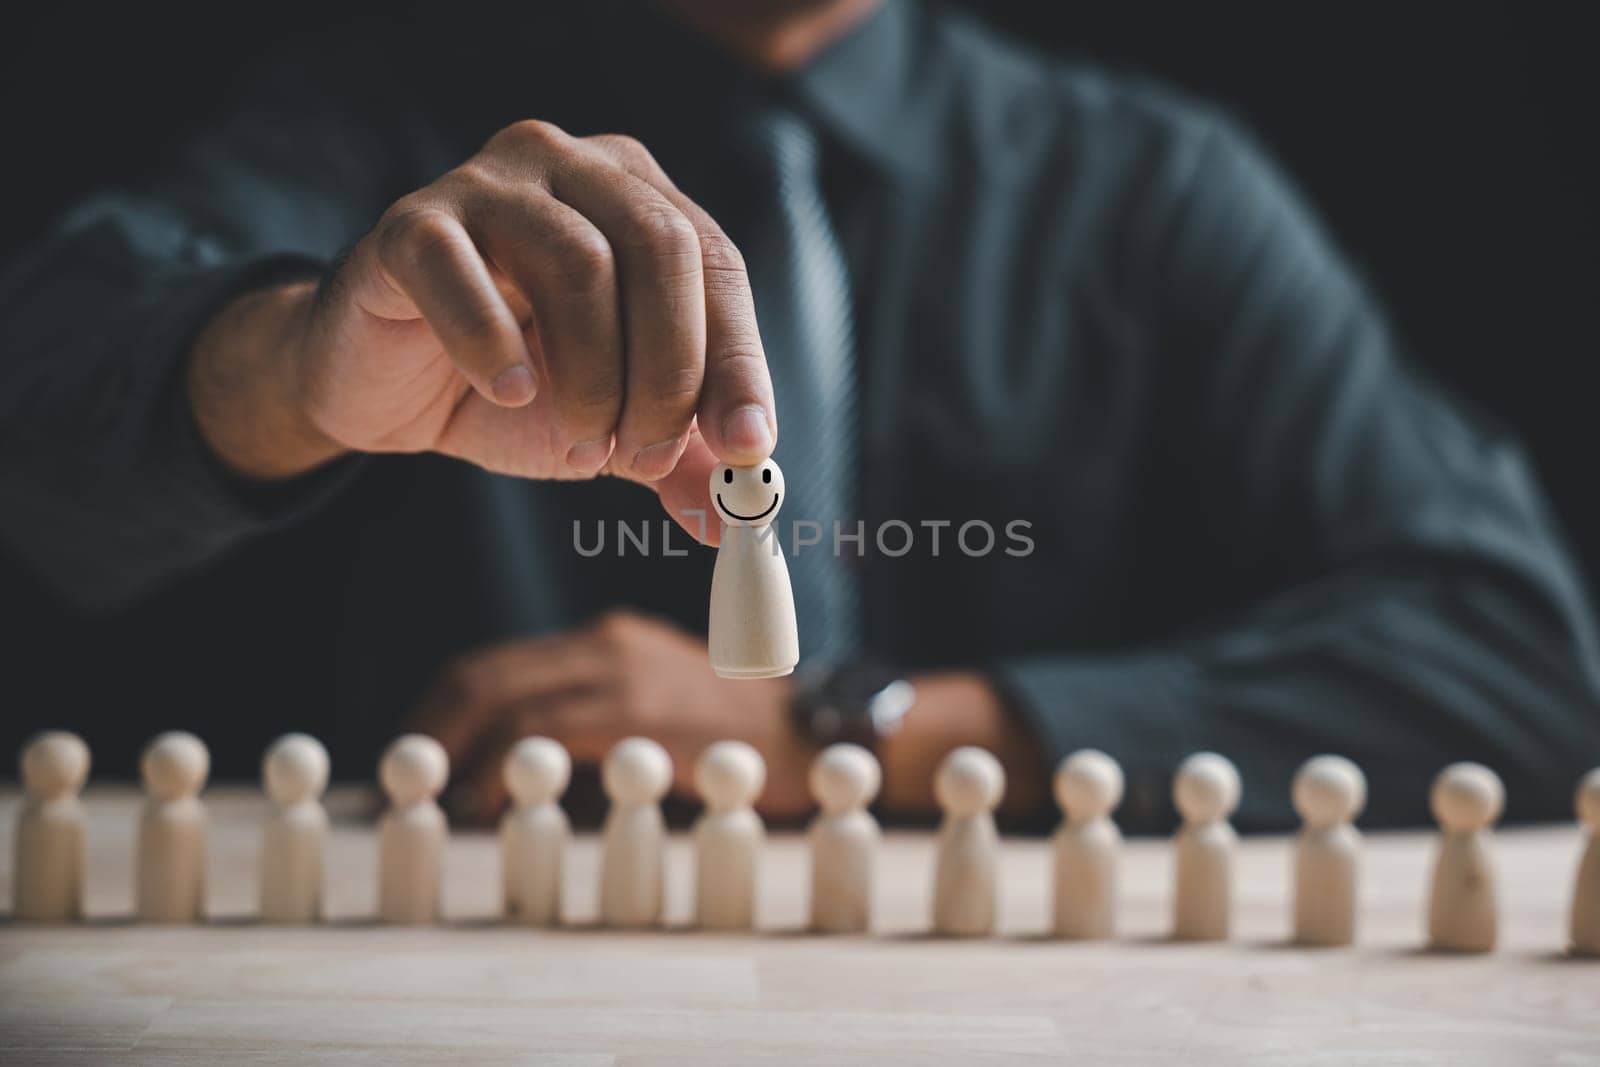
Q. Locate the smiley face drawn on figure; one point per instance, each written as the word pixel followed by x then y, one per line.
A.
pixel 747 496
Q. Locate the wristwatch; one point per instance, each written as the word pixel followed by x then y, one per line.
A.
pixel 860 701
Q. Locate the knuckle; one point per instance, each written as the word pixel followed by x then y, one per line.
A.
pixel 628 149
pixel 597 395
pixel 666 235
pixel 477 176
pixel 530 134
pixel 723 260
pixel 584 259
pixel 740 354
pixel 676 388
pixel 588 405
pixel 475 327
pixel 413 234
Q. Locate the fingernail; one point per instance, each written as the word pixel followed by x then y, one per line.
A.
pixel 746 430
pixel 589 456
pixel 513 386
pixel 657 460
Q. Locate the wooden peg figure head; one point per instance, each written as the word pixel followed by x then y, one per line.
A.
pixel 747 496
pixel 55 764
pixel 414 768
pixel 969 782
pixel 845 777
pixel 537 771
pixel 175 765
pixel 729 775
pixel 1206 788
pixel 1467 797
pixel 1088 785
pixel 1587 801
pixel 295 769
pixel 636 771
pixel 1329 790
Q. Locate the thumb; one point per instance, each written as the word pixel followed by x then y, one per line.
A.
pixel 686 492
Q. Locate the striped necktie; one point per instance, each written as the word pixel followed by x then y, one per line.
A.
pixel 802 295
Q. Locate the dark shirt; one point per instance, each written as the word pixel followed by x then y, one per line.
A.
pixel 1082 301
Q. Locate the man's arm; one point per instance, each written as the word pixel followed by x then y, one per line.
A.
pixel 553 307
pixel 1398 591
pixel 109 488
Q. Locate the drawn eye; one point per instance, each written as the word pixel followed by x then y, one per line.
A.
pixel 766 475
pixel 727 477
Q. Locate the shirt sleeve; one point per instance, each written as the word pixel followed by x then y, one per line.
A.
pixel 108 489
pixel 1396 590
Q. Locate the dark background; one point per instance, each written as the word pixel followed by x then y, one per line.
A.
pixel 1450 148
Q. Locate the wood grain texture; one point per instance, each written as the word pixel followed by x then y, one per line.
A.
pixel 474 990
pixel 753 633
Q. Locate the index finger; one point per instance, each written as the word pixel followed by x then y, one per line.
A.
pixel 737 415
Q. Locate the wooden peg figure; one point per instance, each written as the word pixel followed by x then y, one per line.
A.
pixel 968 787
pixel 1088 786
pixel 1328 793
pixel 50 830
pixel 295 771
pixel 1462 909
pixel 728 837
pixel 413 831
pixel 752 628
pixel 1586 893
pixel 1206 791
pixel 535 833
pixel 170 879
pixel 844 839
pixel 635 776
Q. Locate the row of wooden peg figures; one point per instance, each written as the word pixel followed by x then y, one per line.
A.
pixel 1328 793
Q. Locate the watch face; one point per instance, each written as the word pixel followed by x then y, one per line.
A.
pixel 860 701
pixel 888 709
pixel 856 683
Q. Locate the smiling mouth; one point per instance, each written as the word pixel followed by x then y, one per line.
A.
pixel 748 518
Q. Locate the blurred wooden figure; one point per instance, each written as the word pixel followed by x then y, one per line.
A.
pixel 844 839
pixel 50 830
pixel 295 772
pixel 413 832
pixel 1586 893
pixel 728 836
pixel 1328 793
pixel 968 787
pixel 635 775
pixel 170 877
pixel 1463 908
pixel 1206 792
pixel 534 834
pixel 1088 786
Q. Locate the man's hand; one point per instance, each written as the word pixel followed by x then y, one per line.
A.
pixel 623 675
pixel 627 674
pixel 552 308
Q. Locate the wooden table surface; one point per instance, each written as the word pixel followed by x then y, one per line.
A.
pixel 471 990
